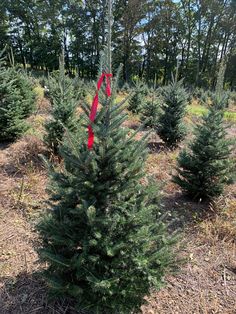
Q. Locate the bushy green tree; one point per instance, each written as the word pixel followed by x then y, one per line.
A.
pixel 101 238
pixel 170 125
pixel 201 95
pixel 207 97
pixel 138 98
pixel 150 108
pixel 54 85
pixel 126 88
pixel 17 102
pixel 64 99
pixel 24 84
pixel 205 167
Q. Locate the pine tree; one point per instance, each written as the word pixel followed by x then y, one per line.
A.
pixel 64 99
pixel 170 125
pixel 17 101
pixel 139 97
pixel 23 83
pixel 205 167
pixel 150 112
pixel 150 109
pixel 101 239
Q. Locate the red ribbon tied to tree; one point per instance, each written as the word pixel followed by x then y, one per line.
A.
pixel 94 107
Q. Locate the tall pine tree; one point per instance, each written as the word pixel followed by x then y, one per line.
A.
pixel 17 101
pixel 64 99
pixel 170 125
pixel 205 167
pixel 101 239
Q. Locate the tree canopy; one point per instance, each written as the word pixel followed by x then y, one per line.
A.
pixel 148 37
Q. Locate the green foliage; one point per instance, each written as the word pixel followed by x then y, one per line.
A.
pixel 126 88
pixel 139 97
pixel 146 39
pixel 64 98
pixel 233 97
pixel 101 238
pixel 17 102
pixel 201 95
pixel 225 98
pixel 150 109
pixel 170 125
pixel 205 167
pixel 207 96
pixel 26 88
pixel 220 77
pixel 58 80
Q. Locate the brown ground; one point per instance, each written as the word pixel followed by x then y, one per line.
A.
pixel 206 283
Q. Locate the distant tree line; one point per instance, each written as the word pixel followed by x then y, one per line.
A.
pixel 149 36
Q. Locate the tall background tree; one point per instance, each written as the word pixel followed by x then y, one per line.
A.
pixel 149 35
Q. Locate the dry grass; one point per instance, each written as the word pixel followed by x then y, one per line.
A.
pixel 24 175
pixel 223 225
pixel 206 283
pixel 43 105
pixel 26 152
pixel 17 253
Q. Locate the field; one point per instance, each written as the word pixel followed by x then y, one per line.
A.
pixel 204 283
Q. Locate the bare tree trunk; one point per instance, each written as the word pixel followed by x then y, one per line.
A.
pixel 198 41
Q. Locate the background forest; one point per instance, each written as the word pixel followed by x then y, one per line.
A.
pixel 148 37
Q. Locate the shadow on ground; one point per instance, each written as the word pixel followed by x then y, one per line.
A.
pixel 4 145
pixel 181 212
pixel 157 147
pixel 27 294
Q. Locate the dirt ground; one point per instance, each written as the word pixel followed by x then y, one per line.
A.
pixel 205 283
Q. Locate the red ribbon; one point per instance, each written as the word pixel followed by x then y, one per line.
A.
pixel 94 107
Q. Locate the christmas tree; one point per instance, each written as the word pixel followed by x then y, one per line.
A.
pixel 205 167
pixel 170 125
pixel 64 99
pixel 139 97
pixel 150 112
pixel 17 101
pixel 150 109
pixel 101 239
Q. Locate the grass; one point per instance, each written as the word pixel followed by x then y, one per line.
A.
pixel 230 116
pixel 197 110
pixel 223 226
pixel 36 126
pixel 119 98
pixel 39 92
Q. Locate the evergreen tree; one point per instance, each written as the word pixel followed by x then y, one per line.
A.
pixel 17 101
pixel 138 99
pixel 150 109
pixel 24 85
pixel 205 167
pixel 170 125
pixel 101 239
pixel 64 99
pixel 150 112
